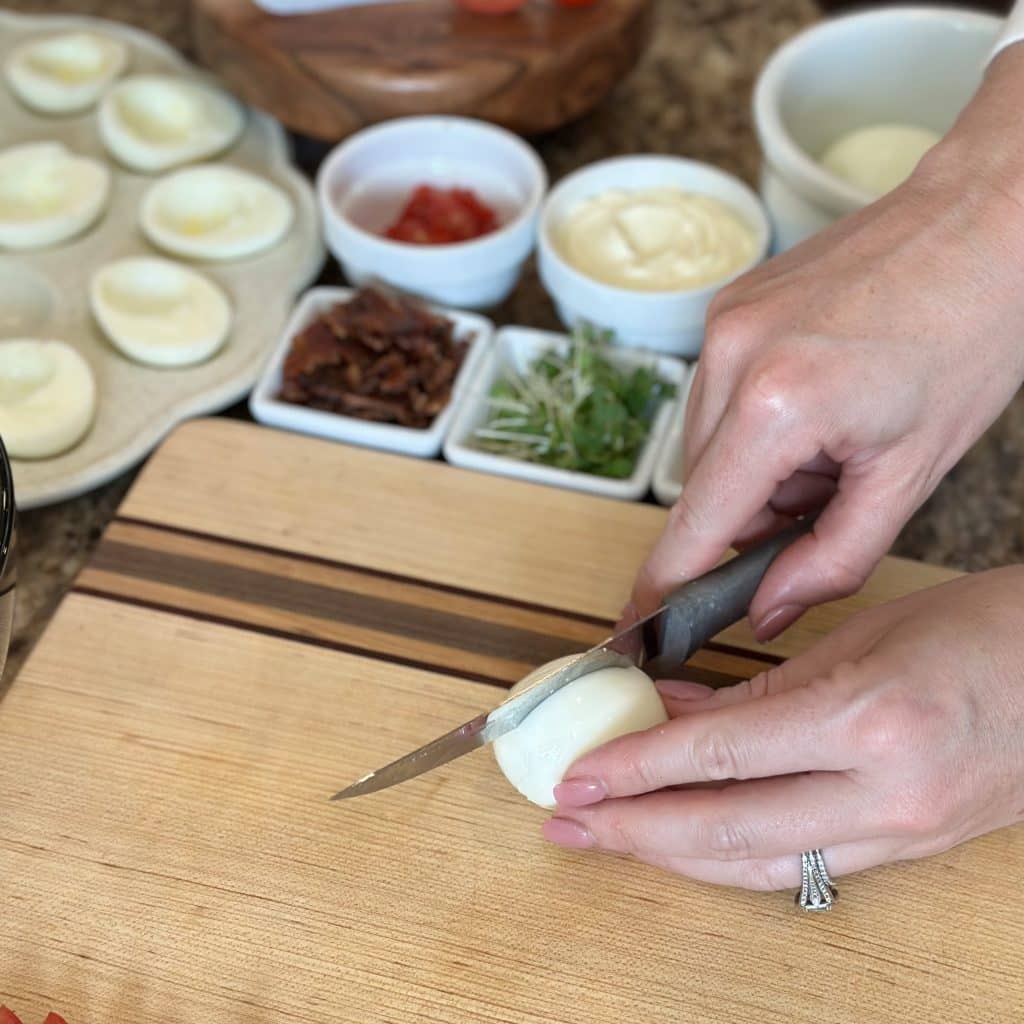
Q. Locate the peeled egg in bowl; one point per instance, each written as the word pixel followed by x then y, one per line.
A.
pixel 65 73
pixel 151 123
pixel 583 715
pixel 48 194
pixel 215 212
pixel 47 397
pixel 159 312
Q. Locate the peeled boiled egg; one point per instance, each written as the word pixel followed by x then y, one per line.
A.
pixel 48 194
pixel 47 397
pixel 583 715
pixel 158 312
pixel 151 123
pixel 215 213
pixel 879 157
pixel 65 73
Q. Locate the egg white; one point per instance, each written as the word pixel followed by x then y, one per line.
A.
pixel 159 312
pixel 583 715
pixel 215 212
pixel 65 73
pixel 152 123
pixel 47 397
pixel 48 194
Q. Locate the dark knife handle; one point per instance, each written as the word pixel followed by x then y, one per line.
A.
pixel 702 608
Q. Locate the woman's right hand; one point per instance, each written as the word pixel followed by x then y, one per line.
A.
pixel 855 370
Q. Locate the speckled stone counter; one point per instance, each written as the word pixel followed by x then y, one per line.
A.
pixel 690 96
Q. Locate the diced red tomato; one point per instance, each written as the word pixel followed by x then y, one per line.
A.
pixel 8 1016
pixel 577 3
pixel 54 1018
pixel 492 6
pixel 436 216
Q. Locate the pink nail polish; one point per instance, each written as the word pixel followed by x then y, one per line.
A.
pixel 571 834
pixel 777 620
pixel 581 792
pixel 680 689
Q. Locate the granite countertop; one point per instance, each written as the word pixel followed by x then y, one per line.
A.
pixel 689 96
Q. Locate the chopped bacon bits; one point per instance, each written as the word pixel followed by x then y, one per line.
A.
pixel 378 357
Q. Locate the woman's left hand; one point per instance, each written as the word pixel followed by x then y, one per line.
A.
pixel 900 735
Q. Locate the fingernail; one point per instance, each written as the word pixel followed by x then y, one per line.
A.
pixel 581 792
pixel 774 622
pixel 571 834
pixel 679 689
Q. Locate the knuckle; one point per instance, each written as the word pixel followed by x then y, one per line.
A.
pixel 716 758
pixel 614 832
pixel 732 328
pixel 728 840
pixel 686 520
pixel 640 772
pixel 765 876
pixel 771 390
pixel 841 577
pixel 921 813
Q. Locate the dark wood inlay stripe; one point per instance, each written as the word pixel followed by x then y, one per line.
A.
pixel 411 621
pixel 197 615
pixel 382 574
pixel 278 552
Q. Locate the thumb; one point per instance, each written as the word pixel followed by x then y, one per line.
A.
pixel 852 535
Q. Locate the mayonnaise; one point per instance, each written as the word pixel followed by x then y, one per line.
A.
pixel 658 239
pixel 878 158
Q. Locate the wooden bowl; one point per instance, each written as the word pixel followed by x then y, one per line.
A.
pixel 329 74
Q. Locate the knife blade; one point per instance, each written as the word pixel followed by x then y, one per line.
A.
pixel 660 644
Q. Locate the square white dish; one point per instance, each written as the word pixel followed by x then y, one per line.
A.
pixel 267 408
pixel 44 292
pixel 668 467
pixel 518 347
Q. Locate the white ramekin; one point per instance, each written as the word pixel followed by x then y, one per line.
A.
pixel 664 321
pixel 364 183
pixel 913 65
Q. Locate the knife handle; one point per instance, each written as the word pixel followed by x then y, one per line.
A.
pixel 702 608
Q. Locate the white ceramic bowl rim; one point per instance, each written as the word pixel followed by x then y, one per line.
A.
pixel 762 229
pixel 396 126
pixel 767 115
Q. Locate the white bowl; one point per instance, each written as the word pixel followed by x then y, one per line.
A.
pixel 518 347
pixel 667 482
pixel 365 182
pixel 266 407
pixel 914 65
pixel 665 321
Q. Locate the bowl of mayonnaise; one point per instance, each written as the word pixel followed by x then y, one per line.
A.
pixel 640 245
pixel 846 109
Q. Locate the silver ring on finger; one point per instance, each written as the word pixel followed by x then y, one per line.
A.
pixel 817 891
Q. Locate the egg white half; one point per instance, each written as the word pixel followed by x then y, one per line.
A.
pixel 65 73
pixel 215 212
pixel 47 397
pixel 159 312
pixel 152 123
pixel 48 194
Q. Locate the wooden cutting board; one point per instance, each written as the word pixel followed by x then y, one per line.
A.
pixel 269 617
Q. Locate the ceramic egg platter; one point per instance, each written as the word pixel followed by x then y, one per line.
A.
pixel 44 292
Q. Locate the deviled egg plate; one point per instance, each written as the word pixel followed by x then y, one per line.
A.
pixel 64 73
pixel 47 397
pixel 159 312
pixel 215 212
pixel 151 123
pixel 48 194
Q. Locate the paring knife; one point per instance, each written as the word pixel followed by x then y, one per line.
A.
pixel 659 644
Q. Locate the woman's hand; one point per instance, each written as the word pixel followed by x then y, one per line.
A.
pixel 855 370
pixel 898 736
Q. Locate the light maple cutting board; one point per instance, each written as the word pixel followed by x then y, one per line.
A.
pixel 269 617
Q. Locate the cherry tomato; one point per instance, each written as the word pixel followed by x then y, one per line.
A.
pixel 492 6
pixel 54 1018
pixel 8 1016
